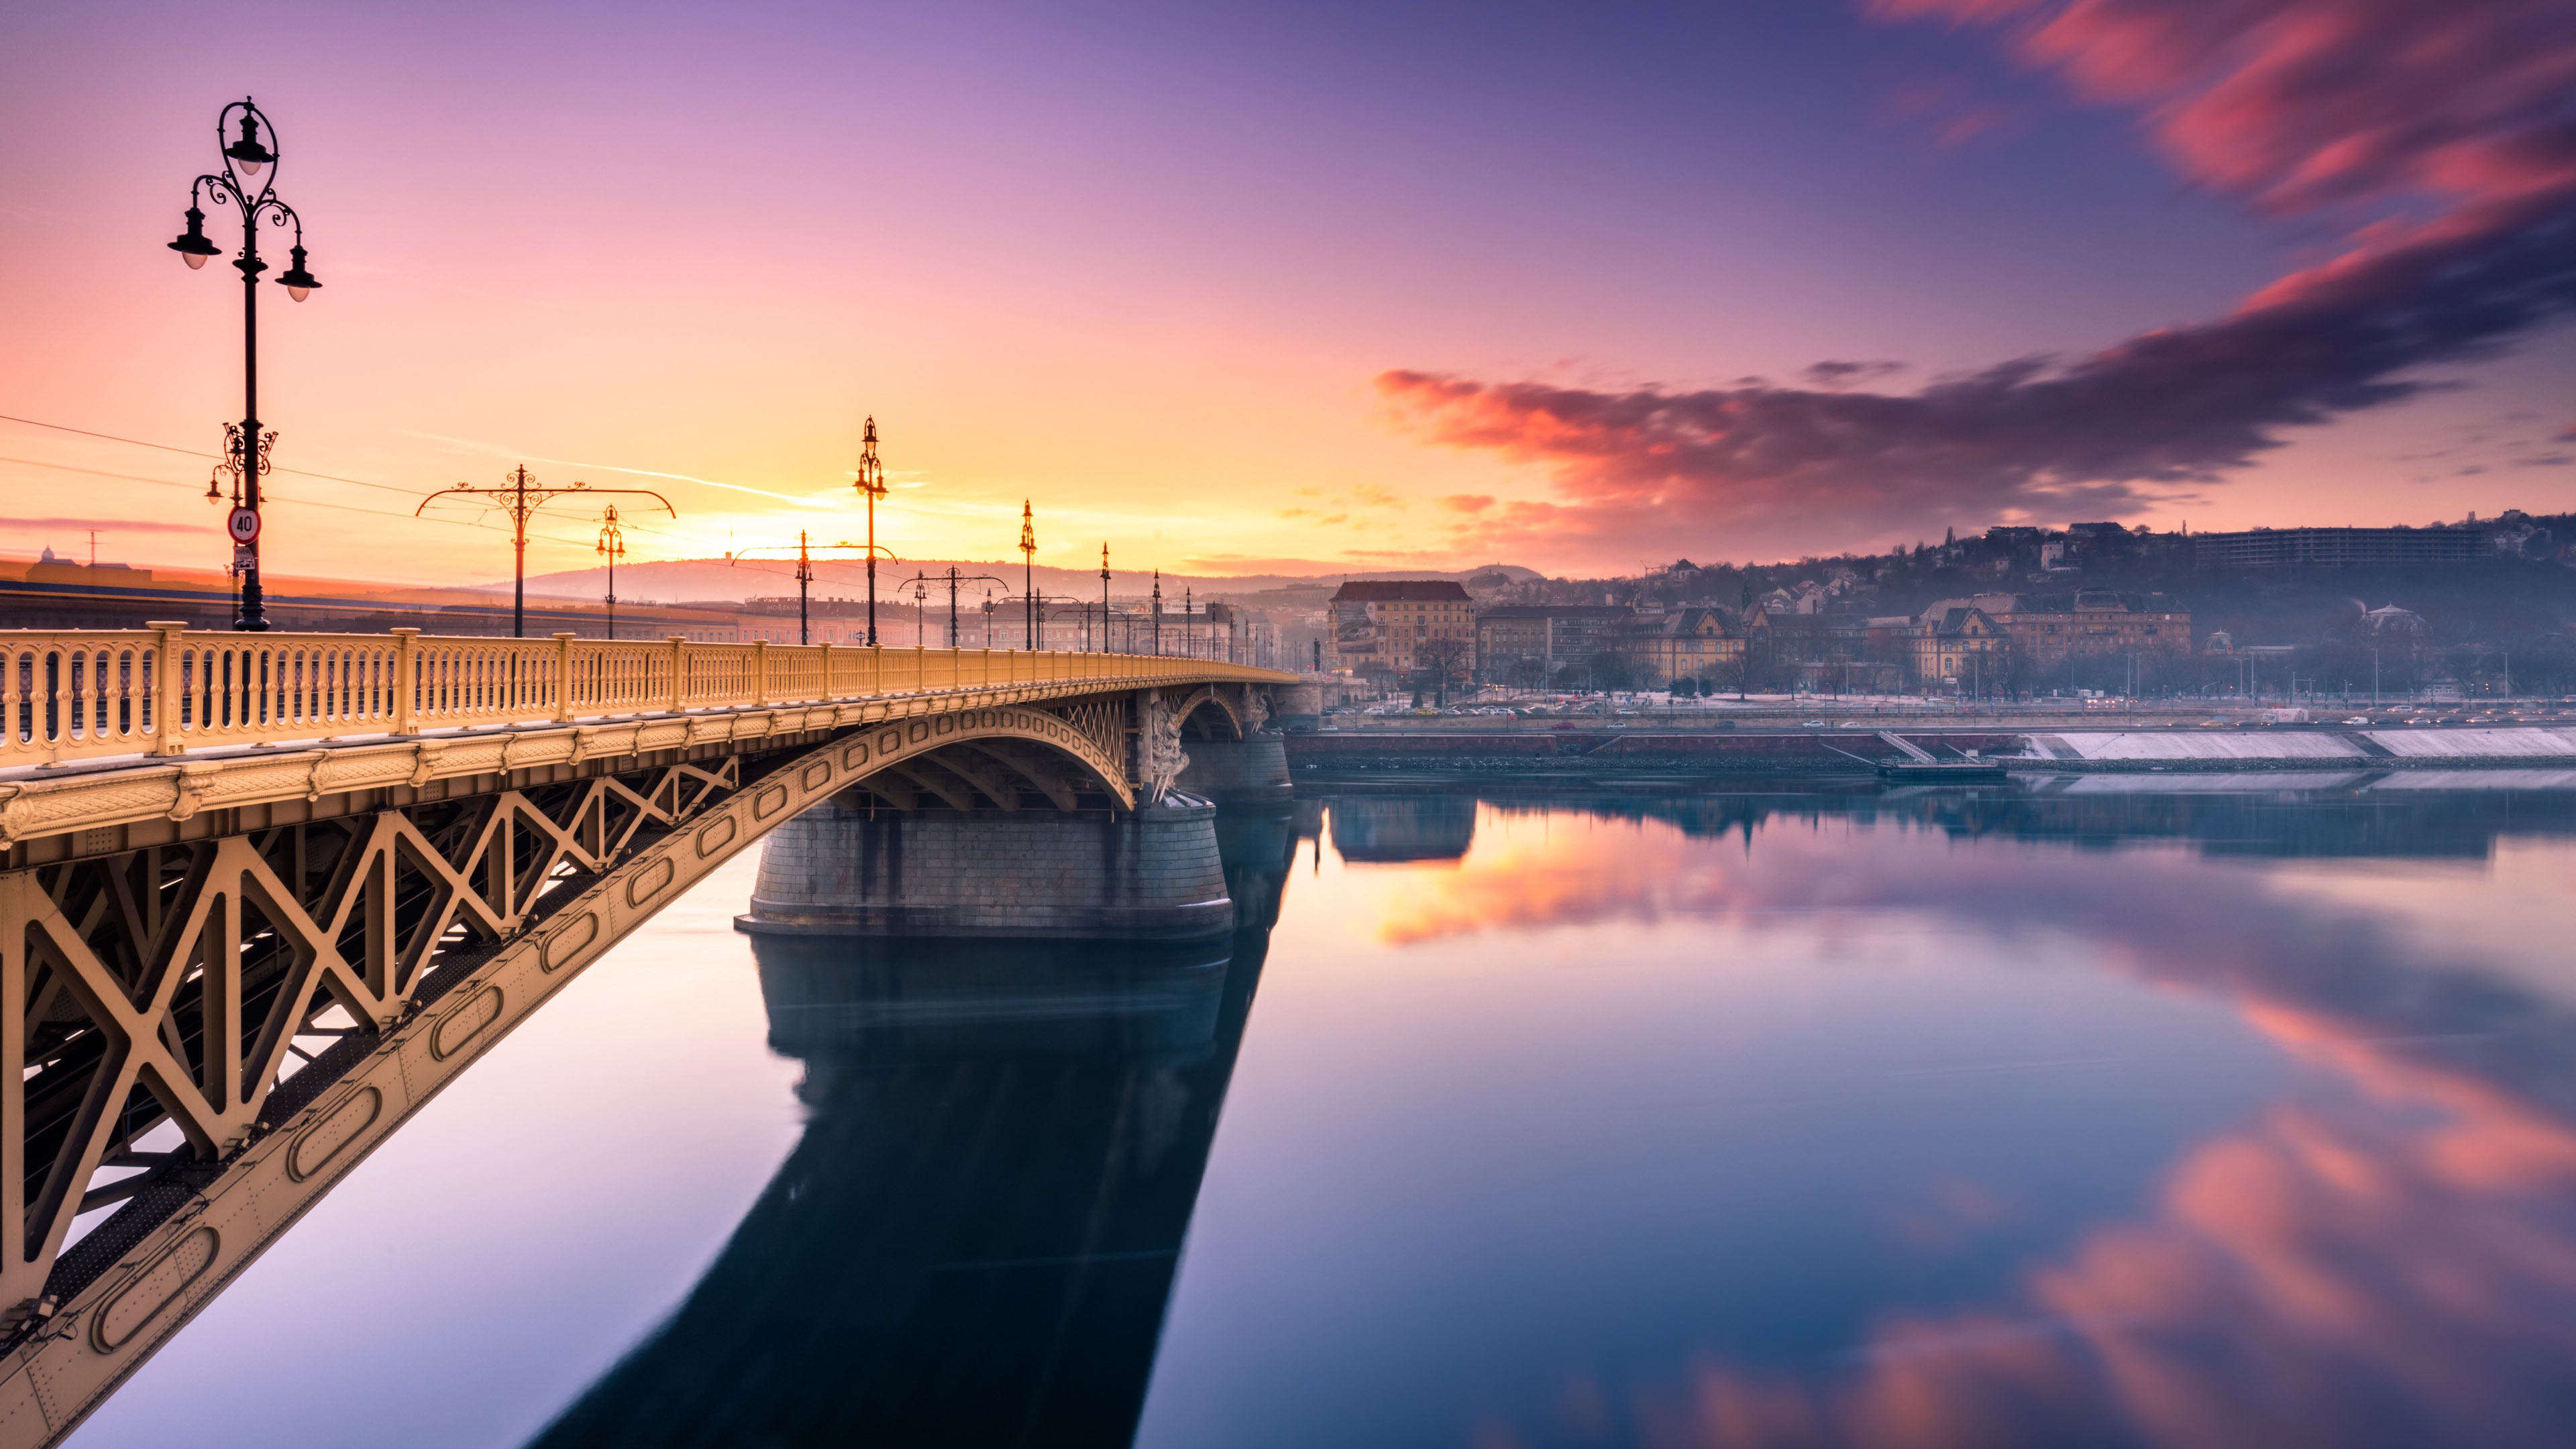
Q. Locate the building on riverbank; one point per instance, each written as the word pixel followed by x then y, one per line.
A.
pixel 1697 643
pixel 1961 646
pixel 1535 645
pixel 1394 629
pixel 2046 634
pixel 2270 548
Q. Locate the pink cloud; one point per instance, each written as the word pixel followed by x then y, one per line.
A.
pixel 2298 104
pixel 2371 109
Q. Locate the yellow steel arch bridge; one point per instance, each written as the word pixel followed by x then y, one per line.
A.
pixel 261 896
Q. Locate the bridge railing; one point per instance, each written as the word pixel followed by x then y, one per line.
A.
pixel 84 694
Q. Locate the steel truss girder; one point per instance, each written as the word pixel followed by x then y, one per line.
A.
pixel 209 1025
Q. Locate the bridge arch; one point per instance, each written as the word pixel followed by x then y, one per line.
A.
pixel 999 757
pixel 1209 715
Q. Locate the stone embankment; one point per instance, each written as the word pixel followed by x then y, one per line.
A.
pixel 2055 750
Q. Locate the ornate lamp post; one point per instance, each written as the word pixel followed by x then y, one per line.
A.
pixel 1104 598
pixel 612 547
pixel 871 486
pixel 520 496
pixel 920 592
pixel 248 183
pixel 805 550
pixel 1029 569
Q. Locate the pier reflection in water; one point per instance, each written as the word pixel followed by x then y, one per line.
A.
pixel 974 1240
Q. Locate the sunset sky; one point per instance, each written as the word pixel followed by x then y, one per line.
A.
pixel 1316 287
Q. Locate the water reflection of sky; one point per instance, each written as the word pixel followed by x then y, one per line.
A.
pixel 1881 1131
pixel 2100 1117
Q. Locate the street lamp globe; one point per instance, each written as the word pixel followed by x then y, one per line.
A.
pixel 248 153
pixel 298 282
pixel 192 245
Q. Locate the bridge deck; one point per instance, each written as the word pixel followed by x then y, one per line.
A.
pixel 105 728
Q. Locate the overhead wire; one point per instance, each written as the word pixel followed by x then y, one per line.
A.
pixel 681 539
pixel 289 500
pixel 195 453
pixel 299 472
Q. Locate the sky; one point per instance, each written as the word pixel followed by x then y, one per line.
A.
pixel 1314 288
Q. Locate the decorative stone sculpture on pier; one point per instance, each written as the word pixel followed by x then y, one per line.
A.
pixel 1159 756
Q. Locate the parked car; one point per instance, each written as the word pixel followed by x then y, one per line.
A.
pixel 1813 724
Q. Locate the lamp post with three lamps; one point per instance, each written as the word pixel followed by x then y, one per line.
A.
pixel 242 186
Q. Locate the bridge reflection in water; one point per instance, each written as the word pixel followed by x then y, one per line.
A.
pixel 975 1238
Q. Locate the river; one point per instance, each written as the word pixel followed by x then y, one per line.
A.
pixel 2121 1111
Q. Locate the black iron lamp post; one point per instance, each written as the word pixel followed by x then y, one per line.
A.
pixel 248 184
pixel 612 547
pixel 1029 570
pixel 520 496
pixel 921 593
pixel 805 551
pixel 872 486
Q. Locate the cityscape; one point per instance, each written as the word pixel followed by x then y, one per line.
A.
pixel 1806 724
pixel 2091 607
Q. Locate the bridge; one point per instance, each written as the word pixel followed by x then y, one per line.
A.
pixel 262 895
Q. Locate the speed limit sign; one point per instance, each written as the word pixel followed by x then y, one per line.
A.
pixel 243 525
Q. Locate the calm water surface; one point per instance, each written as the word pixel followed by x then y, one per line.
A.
pixel 2119 1113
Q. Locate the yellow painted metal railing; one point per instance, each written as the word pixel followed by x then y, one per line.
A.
pixel 83 694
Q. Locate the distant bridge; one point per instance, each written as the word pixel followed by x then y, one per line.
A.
pixel 263 895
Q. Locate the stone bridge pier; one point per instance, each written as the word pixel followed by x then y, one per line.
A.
pixel 855 868
pixel 984 840
pixel 1252 771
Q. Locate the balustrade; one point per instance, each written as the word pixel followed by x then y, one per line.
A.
pixel 85 694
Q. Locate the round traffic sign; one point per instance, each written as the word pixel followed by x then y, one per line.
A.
pixel 243 525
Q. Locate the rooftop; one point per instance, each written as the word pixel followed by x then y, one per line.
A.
pixel 1557 611
pixel 1390 591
